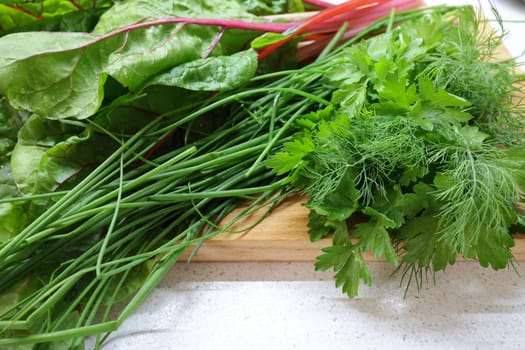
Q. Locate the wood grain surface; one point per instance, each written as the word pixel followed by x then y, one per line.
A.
pixel 281 236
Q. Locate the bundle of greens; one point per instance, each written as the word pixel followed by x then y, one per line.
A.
pixel 122 150
pixel 424 142
pixel 124 146
pixel 138 61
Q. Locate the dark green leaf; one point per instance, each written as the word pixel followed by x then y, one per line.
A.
pixel 349 267
pixel 211 74
pixel 78 21
pixel 56 75
pixel 318 227
pixel 421 245
pixel 150 51
pixel 373 235
pixel 51 155
pixel 341 203
pixel 494 252
pixel 15 13
pixel 13 216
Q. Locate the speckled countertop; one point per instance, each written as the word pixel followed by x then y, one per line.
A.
pixel 289 306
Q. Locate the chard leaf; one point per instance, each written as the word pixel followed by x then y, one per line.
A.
pixel 35 138
pixel 14 13
pixel 10 122
pixel 211 74
pixel 267 39
pixel 51 155
pixel 267 7
pixel 150 51
pixel 78 21
pixel 61 75
pixel 63 165
pixel 56 75
pixel 13 216
pixel 18 291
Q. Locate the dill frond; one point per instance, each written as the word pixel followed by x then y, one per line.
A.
pixel 375 152
pixel 467 65
pixel 478 196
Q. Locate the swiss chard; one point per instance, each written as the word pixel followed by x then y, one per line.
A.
pixel 56 75
pixel 14 215
pixel 16 13
pixel 61 75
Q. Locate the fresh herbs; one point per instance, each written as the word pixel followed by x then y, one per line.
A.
pixel 473 71
pixel 429 159
pixel 138 142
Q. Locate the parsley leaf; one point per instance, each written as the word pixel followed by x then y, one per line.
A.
pixel 349 266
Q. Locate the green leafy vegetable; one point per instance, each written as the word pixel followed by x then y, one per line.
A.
pixel 211 74
pixel 151 50
pixel 16 13
pixel 410 150
pixel 56 75
pixel 349 265
pixel 265 7
pixel 14 215
pixel 78 21
pixel 62 74
pixel 395 162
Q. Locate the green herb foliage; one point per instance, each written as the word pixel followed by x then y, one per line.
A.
pixel 366 131
pixel 412 144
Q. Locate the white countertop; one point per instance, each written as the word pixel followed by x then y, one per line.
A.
pixel 270 306
pixel 289 306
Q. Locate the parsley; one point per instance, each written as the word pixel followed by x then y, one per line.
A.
pixel 412 145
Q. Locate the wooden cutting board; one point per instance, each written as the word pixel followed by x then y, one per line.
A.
pixel 283 236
